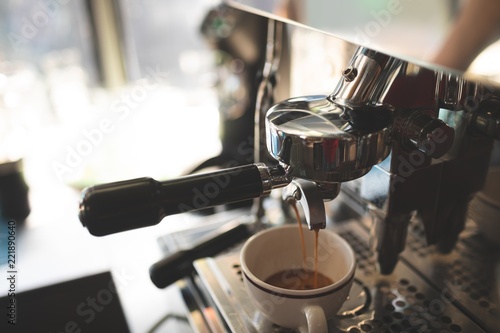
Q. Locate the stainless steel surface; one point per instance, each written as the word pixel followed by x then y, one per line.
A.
pixel 366 79
pixel 272 177
pixel 427 134
pixel 412 299
pixel 455 92
pixel 433 34
pixel 311 137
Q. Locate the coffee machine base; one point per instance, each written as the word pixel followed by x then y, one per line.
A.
pixel 427 292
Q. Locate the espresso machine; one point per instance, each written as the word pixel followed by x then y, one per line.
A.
pixel 382 143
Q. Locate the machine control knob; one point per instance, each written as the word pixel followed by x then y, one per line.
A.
pixel 430 135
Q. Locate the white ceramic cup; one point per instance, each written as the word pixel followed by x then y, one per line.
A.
pixel 279 249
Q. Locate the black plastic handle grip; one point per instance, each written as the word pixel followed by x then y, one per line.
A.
pixel 180 264
pixel 136 203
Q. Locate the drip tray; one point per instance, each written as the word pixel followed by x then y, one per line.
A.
pixel 405 301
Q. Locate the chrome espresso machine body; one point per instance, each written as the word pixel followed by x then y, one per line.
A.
pixel 375 140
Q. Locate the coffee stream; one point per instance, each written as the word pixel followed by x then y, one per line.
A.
pixel 301 232
pixel 316 235
pixel 301 278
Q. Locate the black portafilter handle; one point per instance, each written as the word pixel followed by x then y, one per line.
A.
pixel 110 208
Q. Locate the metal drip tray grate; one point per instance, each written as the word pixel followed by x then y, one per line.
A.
pixel 466 276
pixel 401 302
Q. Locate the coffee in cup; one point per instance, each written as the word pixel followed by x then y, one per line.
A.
pixel 275 255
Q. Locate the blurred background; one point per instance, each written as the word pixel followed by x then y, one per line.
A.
pixel 95 91
pixel 92 92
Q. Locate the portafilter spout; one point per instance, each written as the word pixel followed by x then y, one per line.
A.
pixel 311 197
